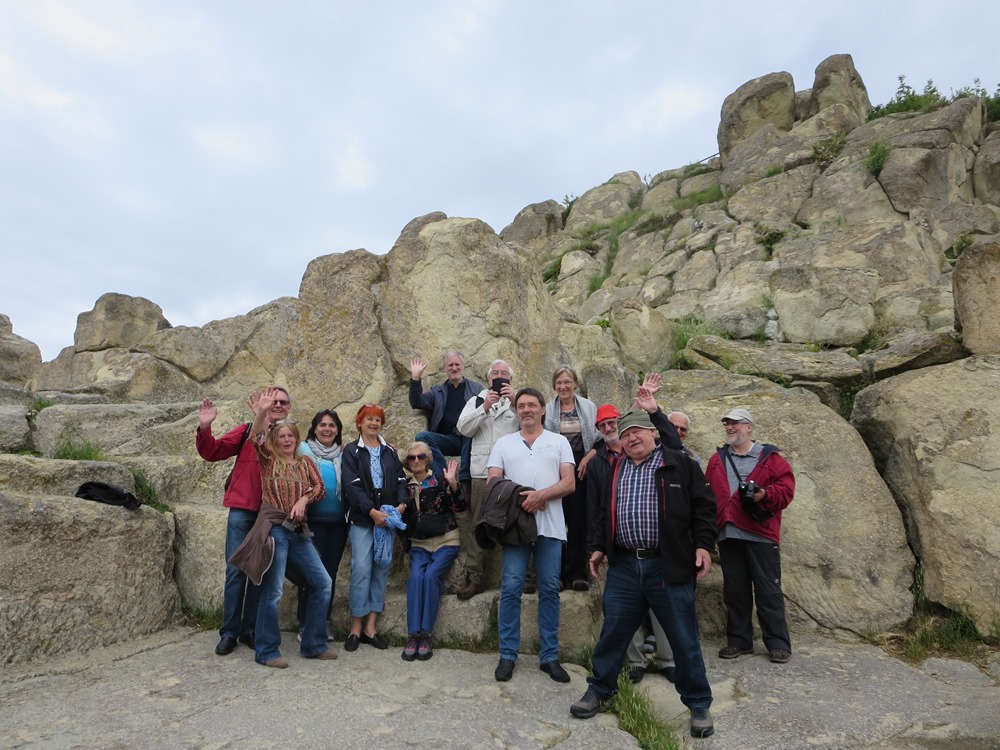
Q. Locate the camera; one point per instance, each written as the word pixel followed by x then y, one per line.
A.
pixel 746 492
pixel 498 384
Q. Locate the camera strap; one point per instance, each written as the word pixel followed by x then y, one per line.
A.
pixel 739 477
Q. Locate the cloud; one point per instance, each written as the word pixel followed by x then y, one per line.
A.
pixel 664 108
pixel 352 168
pixel 234 145
pixel 20 85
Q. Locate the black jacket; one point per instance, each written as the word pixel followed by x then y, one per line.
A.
pixel 504 521
pixel 356 471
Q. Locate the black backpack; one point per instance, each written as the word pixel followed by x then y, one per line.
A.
pixel 111 494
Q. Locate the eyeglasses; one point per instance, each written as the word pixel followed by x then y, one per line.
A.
pixel 728 422
pixel 418 457
pixel 281 402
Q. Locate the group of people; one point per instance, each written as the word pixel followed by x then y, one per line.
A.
pixel 561 482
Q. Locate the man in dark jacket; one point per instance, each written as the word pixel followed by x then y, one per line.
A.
pixel 242 497
pixel 749 533
pixel 656 531
pixel 443 405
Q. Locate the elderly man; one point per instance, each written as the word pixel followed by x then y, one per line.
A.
pixel 443 405
pixel 486 418
pixel 657 532
pixel 242 496
pixel 534 458
pixel 682 423
pixel 752 483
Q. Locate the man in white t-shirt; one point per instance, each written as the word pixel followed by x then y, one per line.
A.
pixel 533 457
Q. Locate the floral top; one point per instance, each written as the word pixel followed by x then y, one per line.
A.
pixel 434 496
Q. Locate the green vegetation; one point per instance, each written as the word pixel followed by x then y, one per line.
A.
pixel 603 323
pixel 907 99
pixel 656 223
pixel 709 195
pixel 39 403
pixel 693 170
pixel 681 362
pixel 596 280
pixel 685 328
pixel 635 198
pixel 961 244
pixel 775 170
pixel 827 150
pixel 878 154
pixel 206 619
pixel 551 272
pixel 767 238
pixel 635 716
pixel 73 447
pixel 568 201
pixel 146 491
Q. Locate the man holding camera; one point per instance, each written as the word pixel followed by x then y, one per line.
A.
pixel 752 483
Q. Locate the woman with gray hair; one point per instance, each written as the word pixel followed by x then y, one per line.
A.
pixel 574 417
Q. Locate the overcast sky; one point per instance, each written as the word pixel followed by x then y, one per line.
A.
pixel 200 154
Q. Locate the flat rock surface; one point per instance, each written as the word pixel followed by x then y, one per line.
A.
pixel 170 690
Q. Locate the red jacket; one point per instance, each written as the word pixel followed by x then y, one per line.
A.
pixel 244 489
pixel 772 472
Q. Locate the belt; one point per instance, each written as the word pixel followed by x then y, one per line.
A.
pixel 640 554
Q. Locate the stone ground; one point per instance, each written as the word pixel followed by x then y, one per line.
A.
pixel 170 690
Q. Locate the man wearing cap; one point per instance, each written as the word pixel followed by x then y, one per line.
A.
pixel 656 532
pixel 749 521
pixel 487 417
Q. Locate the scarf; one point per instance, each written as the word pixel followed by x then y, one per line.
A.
pixel 321 451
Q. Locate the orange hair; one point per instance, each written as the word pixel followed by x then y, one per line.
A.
pixel 367 410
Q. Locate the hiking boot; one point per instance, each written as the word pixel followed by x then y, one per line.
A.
pixel 424 650
pixel 554 670
pixel 780 656
pixel 635 674
pixel 278 663
pixel 468 591
pixel 327 655
pixel 504 670
pixel 701 723
pixel 226 646
pixel 589 705
pixel 410 649
pixel 731 652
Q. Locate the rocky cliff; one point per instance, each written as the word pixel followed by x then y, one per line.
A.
pixel 835 275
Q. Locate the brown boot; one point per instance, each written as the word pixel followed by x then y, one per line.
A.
pixel 468 591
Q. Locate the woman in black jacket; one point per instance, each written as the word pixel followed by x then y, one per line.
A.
pixel 373 477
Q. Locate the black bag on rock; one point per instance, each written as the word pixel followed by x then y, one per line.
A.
pixel 111 494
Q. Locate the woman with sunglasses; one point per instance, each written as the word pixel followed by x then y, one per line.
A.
pixel 432 533
pixel 328 516
pixel 373 477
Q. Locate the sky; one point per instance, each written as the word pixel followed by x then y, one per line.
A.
pixel 200 154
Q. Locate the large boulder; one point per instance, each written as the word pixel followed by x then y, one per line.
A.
pixel 534 222
pixel 76 574
pixel 824 305
pixel 986 172
pixel 838 82
pixel 767 100
pixel 118 320
pixel 976 283
pixel 939 458
pixel 19 358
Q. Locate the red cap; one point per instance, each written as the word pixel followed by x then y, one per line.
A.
pixel 607 411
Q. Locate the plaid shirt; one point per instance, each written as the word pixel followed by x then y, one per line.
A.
pixel 637 521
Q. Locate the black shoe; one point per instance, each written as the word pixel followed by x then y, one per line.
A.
pixel 670 673
pixel 351 644
pixel 375 640
pixel 587 706
pixel 732 652
pixel 247 639
pixel 226 646
pixel 504 671
pixel 635 674
pixel 554 670
pixel 701 723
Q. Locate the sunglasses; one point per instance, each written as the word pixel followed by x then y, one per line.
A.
pixel 282 423
pixel 281 402
pixel 418 457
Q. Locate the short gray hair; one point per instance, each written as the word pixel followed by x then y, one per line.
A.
pixel 680 414
pixel 449 355
pixel 496 362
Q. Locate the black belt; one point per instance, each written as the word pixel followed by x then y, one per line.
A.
pixel 640 554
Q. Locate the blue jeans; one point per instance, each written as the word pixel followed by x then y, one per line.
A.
pixel 633 586
pixel 425 586
pixel 330 541
pixel 292 546
pixel 448 445
pixel 548 558
pixel 368 581
pixel 239 597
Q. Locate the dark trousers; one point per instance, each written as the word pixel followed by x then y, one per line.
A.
pixel 330 540
pixel 575 555
pixel 752 571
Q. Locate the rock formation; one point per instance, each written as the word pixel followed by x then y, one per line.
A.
pixel 786 275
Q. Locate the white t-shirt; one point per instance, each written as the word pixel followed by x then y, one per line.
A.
pixel 536 466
